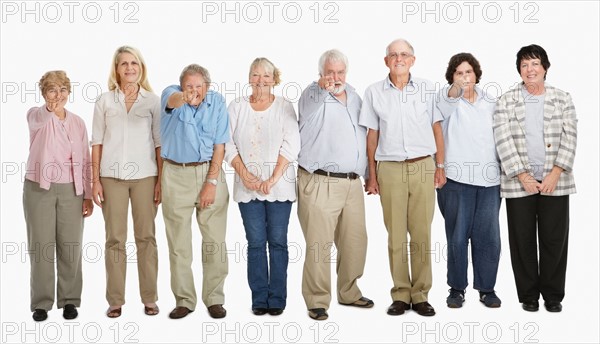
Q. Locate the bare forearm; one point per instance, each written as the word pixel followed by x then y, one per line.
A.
pixel 372 142
pixel 96 158
pixel 216 161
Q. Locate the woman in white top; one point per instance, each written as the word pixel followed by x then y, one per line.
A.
pixel 264 143
pixel 126 165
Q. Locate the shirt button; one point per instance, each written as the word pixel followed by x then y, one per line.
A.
pixel 549 145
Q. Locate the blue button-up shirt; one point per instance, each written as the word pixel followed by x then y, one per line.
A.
pixel 188 133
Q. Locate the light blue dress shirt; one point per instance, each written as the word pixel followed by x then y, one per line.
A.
pixel 331 138
pixel 188 133
pixel 471 156
pixel 404 118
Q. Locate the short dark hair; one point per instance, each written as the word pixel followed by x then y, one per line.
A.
pixel 533 51
pixel 456 60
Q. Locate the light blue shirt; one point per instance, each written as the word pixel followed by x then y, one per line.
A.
pixel 534 132
pixel 404 118
pixel 188 133
pixel 331 138
pixel 471 156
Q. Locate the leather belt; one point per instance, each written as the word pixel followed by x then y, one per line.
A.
pixel 184 164
pixel 350 175
pixel 417 159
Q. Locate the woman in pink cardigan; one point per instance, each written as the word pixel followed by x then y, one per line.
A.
pixel 57 195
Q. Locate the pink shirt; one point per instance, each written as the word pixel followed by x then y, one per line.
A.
pixel 58 151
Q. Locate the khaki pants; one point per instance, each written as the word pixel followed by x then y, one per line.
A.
pixel 117 193
pixel 54 223
pixel 331 210
pixel 408 200
pixel 181 187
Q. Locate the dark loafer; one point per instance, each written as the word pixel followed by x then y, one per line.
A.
pixel 40 315
pixel 179 312
pixel 531 306
pixel 259 311
pixel 553 306
pixel 424 309
pixel 217 311
pixel 398 308
pixel 363 302
pixel 275 311
pixel 318 314
pixel 70 312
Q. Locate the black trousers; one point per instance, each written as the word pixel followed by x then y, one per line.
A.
pixel 545 220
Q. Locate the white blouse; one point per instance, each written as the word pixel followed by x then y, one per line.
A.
pixel 128 140
pixel 259 137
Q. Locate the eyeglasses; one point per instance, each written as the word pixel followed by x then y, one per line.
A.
pixel 402 55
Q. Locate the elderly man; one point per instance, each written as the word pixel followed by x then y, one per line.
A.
pixel 331 206
pixel 402 137
pixel 194 130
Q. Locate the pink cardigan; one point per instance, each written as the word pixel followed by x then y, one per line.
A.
pixel 42 145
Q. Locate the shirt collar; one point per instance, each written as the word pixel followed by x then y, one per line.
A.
pixel 387 83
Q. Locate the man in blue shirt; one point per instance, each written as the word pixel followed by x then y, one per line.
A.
pixel 194 130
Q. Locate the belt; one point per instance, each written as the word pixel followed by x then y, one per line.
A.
pixel 350 175
pixel 184 164
pixel 417 159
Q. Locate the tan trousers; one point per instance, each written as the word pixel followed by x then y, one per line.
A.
pixel 408 200
pixel 117 193
pixel 331 211
pixel 54 223
pixel 181 187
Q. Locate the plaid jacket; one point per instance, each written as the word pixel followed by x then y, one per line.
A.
pixel 560 139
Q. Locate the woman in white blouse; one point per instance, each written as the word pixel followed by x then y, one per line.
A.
pixel 126 165
pixel 264 143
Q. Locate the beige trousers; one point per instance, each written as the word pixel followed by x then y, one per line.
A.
pixel 331 211
pixel 117 193
pixel 181 187
pixel 54 233
pixel 408 200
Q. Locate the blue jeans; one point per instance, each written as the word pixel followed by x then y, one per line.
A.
pixel 471 213
pixel 267 222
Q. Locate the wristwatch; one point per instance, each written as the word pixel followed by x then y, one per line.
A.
pixel 211 181
pixel 438 165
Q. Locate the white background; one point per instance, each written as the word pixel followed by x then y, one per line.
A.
pixel 171 35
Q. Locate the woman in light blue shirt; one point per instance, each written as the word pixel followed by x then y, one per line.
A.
pixel 470 200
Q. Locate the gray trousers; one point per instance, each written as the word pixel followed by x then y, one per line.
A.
pixel 54 235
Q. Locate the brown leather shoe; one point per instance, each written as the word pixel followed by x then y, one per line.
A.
pixel 398 308
pixel 217 311
pixel 423 308
pixel 179 312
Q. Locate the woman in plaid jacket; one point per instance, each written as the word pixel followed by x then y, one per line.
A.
pixel 535 129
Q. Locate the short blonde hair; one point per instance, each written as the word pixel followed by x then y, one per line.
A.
pixel 114 79
pixel 54 77
pixel 268 66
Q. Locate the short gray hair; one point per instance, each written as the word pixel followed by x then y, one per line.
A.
pixel 398 40
pixel 194 69
pixel 332 55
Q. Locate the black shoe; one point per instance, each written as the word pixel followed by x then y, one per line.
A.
pixel 70 312
pixel 398 308
pixel 531 306
pixel 259 311
pixel 553 306
pixel 40 315
pixel 423 308
pixel 275 311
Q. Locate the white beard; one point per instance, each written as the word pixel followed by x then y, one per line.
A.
pixel 339 88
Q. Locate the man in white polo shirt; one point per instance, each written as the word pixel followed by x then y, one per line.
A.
pixel 403 135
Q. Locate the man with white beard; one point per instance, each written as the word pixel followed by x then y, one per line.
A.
pixel 331 207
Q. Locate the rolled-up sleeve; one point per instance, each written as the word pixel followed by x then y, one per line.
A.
pixel 368 117
pixel 155 110
pixel 290 147
pixel 222 124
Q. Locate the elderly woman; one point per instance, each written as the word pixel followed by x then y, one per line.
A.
pixel 470 200
pixel 265 142
pixel 126 166
pixel 535 128
pixel 56 197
